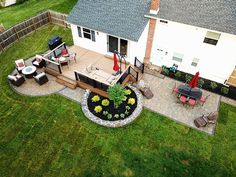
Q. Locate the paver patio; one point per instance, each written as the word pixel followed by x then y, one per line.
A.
pixel 166 103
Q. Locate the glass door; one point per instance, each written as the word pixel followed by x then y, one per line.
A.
pixel 120 45
pixel 112 44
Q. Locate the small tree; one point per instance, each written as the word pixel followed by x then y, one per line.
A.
pixel 116 94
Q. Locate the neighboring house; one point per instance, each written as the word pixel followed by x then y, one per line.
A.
pixel 195 35
pixel 5 3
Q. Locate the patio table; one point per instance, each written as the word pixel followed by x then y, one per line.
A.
pixel 188 91
pixel 29 71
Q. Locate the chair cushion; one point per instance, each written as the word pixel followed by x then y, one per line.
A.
pixel 40 75
pixel 10 77
pixel 64 52
pixel 21 64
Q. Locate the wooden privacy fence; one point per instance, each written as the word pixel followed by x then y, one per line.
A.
pixel 20 30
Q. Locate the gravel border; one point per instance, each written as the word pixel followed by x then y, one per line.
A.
pixel 113 124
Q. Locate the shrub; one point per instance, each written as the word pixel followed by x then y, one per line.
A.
pixel 109 116
pixel 122 115
pixel 125 98
pixel 127 107
pixel 178 74
pixel 126 112
pixel 105 113
pixel 127 91
pixel 188 78
pixel 116 94
pixel 200 83
pixel 117 116
pixel 131 101
pixel 98 109
pixel 213 85
pixel 225 90
pixel 105 102
pixel 95 98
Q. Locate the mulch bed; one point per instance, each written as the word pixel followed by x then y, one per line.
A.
pixel 232 90
pixel 122 109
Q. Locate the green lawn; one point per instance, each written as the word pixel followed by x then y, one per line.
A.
pixel 17 13
pixel 50 136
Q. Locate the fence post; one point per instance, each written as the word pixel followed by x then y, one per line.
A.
pixel 17 35
pixel 49 17
pixel 2 49
pixel 34 24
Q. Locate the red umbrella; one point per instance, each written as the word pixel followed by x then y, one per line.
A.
pixel 116 66
pixel 193 82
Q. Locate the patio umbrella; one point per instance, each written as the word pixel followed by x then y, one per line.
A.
pixel 193 82
pixel 116 66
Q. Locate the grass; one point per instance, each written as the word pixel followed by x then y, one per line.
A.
pixel 50 136
pixel 17 13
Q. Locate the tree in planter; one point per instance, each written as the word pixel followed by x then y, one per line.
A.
pixel 116 93
pixel 178 74
pixel 200 83
pixel 213 85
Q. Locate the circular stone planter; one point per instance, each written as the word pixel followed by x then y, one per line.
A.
pixel 113 123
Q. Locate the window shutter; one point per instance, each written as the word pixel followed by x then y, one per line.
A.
pixel 93 36
pixel 79 31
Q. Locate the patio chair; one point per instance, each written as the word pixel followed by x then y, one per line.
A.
pixel 38 61
pixel 192 102
pixel 204 120
pixel 183 99
pixel 203 99
pixel 16 79
pixel 72 57
pixel 41 78
pixel 20 65
pixel 175 89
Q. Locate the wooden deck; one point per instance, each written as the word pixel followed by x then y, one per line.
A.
pixel 232 79
pixel 84 59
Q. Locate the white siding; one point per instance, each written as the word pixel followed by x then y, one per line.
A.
pixel 100 46
pixel 137 49
pixel 9 2
pixel 215 62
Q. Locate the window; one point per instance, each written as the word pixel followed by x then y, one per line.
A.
pixel 87 33
pixel 178 57
pixel 211 38
pixel 195 62
pixel 79 31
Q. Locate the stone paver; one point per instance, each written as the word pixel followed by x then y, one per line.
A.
pixel 31 88
pixel 167 104
pixel 75 95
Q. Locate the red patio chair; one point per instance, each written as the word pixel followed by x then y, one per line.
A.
pixel 175 89
pixel 182 99
pixel 203 99
pixel 192 102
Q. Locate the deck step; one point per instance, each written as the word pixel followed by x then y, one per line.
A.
pixel 67 82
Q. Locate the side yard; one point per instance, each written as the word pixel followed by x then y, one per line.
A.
pixel 15 14
pixel 50 136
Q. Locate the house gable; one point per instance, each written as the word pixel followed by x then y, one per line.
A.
pixel 119 18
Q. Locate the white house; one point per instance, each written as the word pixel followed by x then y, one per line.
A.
pixel 6 3
pixel 195 35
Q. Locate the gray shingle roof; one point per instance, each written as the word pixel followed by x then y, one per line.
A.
pixel 217 15
pixel 123 18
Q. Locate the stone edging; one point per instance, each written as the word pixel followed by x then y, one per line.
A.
pixel 113 124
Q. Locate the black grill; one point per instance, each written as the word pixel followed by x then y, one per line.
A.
pixel 54 42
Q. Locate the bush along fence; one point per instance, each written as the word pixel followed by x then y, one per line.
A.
pixel 20 30
pixel 218 88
